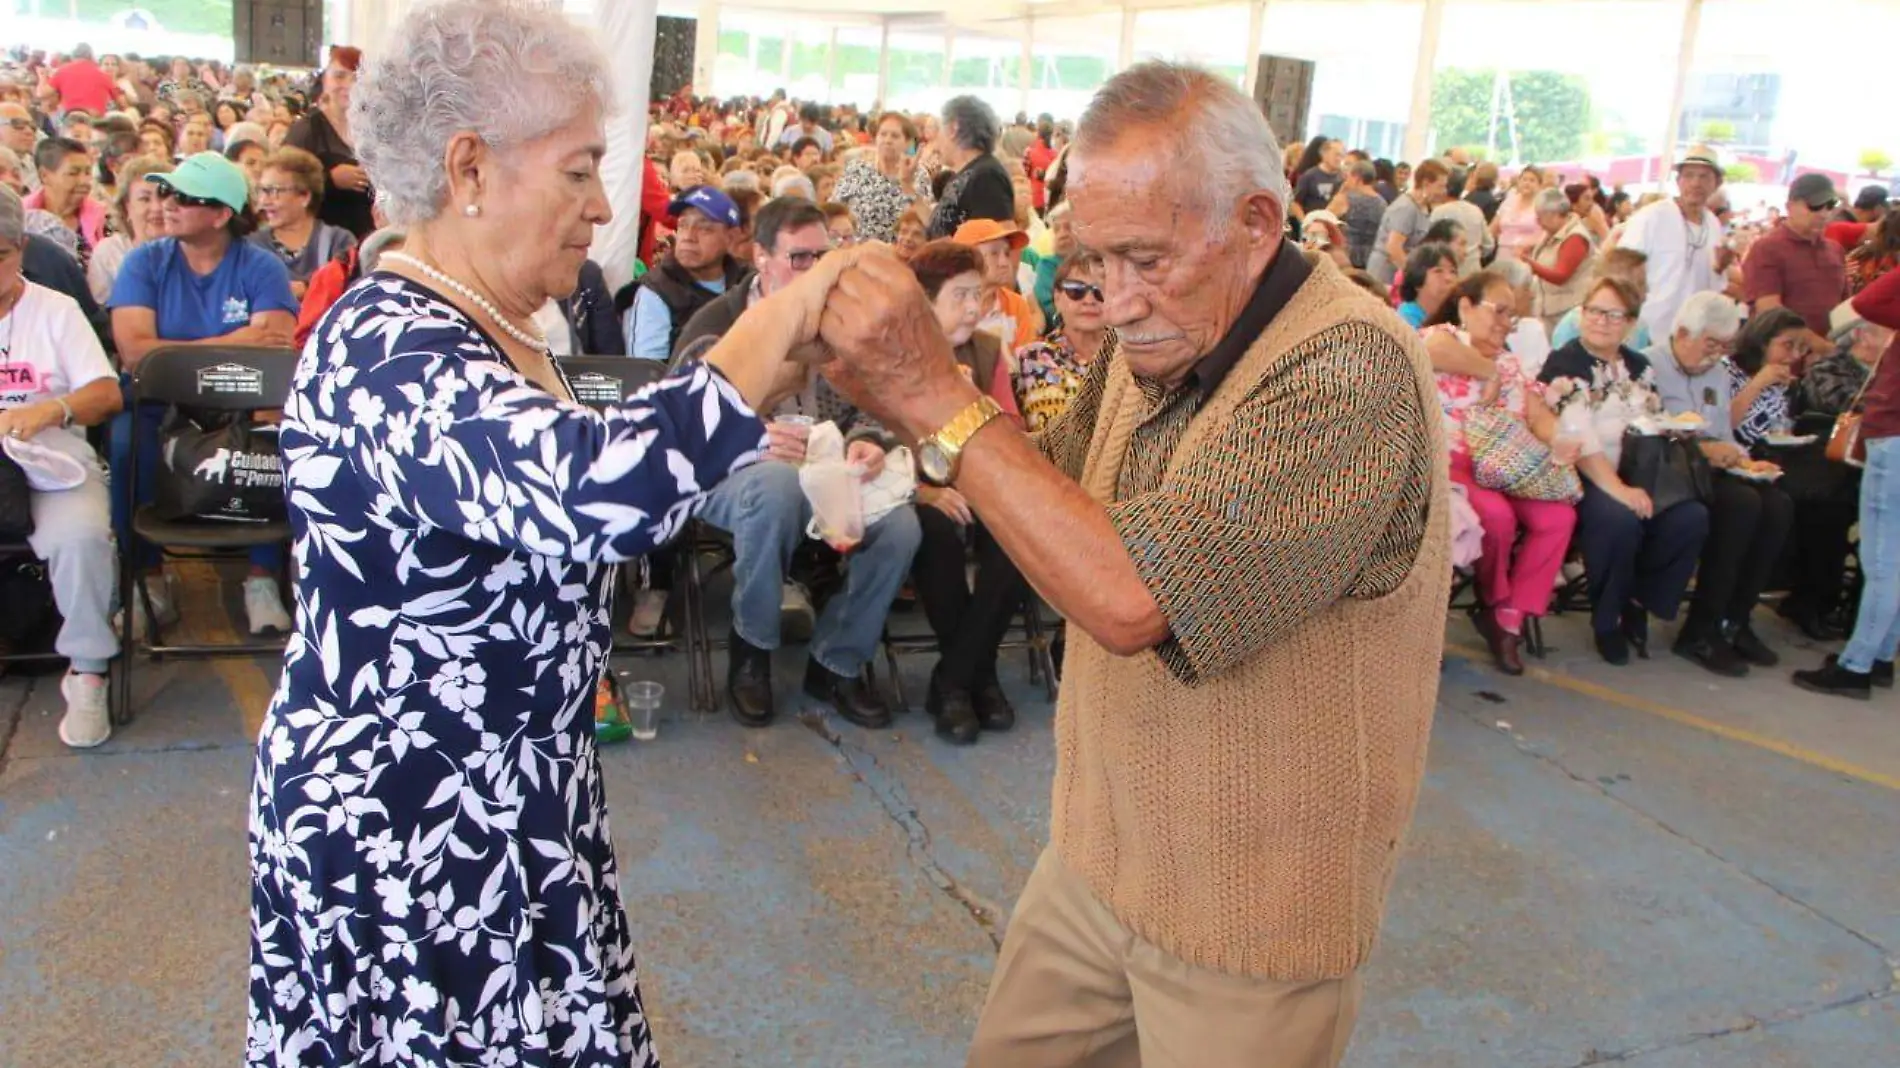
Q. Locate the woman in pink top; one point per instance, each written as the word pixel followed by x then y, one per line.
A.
pixel 1515 223
pixel 1474 370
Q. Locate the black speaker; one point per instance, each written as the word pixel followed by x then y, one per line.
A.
pixel 674 42
pixel 1284 91
pixel 285 33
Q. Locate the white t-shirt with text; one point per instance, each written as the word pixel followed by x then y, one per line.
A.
pixel 47 350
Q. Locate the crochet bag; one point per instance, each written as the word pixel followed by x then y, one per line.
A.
pixel 1507 457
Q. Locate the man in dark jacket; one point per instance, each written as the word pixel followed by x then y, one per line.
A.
pixel 766 511
pixel 699 269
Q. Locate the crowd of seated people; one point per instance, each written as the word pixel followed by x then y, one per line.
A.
pixel 1552 308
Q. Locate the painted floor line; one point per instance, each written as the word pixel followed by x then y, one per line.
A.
pixel 1688 719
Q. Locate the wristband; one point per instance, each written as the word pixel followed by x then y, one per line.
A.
pixel 66 410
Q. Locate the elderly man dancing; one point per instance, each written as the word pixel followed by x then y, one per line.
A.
pixel 1242 517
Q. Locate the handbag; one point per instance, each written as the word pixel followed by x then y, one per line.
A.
pixel 16 501
pixel 1844 443
pixel 219 468
pixel 1669 468
pixel 1507 457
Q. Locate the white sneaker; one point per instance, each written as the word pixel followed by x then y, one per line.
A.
pixel 262 607
pixel 87 722
pixel 796 619
pixel 164 605
pixel 649 610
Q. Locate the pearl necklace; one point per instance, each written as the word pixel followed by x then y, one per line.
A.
pixel 533 341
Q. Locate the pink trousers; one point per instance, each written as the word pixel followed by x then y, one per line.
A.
pixel 1517 583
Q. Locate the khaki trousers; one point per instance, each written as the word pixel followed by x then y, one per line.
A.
pixel 1074 989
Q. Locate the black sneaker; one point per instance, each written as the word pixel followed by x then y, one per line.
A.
pixel 848 695
pixel 748 682
pixel 1749 646
pixel 993 709
pixel 1613 648
pixel 1712 653
pixel 1882 675
pixel 1836 681
pixel 1636 628
pixel 953 710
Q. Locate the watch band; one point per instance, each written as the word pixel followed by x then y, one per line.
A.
pixel 67 421
pixel 964 425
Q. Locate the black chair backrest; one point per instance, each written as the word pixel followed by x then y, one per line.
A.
pixel 599 381
pixel 217 377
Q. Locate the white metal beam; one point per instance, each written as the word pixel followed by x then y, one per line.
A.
pixel 1418 124
pixel 1126 58
pixel 1685 58
pixel 1026 70
pixel 1250 56
pixel 884 63
pixel 706 48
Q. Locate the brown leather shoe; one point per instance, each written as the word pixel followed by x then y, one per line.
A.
pixel 1504 645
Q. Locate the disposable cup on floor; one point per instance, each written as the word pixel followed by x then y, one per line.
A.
pixel 643 708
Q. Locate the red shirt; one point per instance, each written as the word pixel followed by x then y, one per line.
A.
pixel 82 86
pixel 1808 274
pixel 1846 234
pixel 1880 304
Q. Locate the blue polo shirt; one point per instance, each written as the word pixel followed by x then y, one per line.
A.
pixel 192 307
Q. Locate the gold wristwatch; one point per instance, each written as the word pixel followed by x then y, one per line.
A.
pixel 938 454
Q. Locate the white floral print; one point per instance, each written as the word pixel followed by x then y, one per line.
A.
pixel 433 880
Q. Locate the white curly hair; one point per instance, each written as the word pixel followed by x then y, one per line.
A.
pixel 509 71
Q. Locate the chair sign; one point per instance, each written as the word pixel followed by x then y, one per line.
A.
pixel 229 379
pixel 594 388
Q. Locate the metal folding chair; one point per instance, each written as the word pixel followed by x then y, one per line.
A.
pixel 209 378
pixel 601 381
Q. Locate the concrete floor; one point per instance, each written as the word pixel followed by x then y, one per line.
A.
pixel 1643 866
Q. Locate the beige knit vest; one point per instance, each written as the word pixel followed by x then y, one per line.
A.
pixel 1251 823
pixel 1551 302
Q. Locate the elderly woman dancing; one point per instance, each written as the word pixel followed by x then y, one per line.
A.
pixel 433 879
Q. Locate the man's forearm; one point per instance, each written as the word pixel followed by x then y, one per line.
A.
pixel 1060 538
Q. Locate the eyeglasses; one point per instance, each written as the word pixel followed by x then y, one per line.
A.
pixel 1076 290
pixel 185 200
pixel 804 259
pixel 276 190
pixel 1606 315
pixel 1503 311
pixel 1825 205
pixel 20 124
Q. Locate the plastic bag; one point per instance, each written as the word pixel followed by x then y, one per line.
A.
pixel 843 504
pixel 831 485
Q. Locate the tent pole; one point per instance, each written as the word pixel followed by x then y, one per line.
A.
pixel 831 67
pixel 1685 58
pixel 1256 24
pixel 884 62
pixel 1027 73
pixel 1418 125
pixel 705 47
pixel 949 52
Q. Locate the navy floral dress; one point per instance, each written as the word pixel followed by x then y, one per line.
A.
pixel 433 880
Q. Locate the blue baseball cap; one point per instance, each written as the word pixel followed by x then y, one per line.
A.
pixel 707 201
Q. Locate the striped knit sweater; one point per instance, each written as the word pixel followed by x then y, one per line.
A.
pixel 1241 808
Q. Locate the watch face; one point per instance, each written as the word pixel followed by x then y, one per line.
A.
pixel 933 464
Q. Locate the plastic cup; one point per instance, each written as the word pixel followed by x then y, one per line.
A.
pixel 643 708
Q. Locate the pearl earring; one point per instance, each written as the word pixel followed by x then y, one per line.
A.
pixel 472 210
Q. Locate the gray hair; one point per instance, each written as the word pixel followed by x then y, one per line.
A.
pixel 247 131
pixel 742 178
pixel 977 125
pixel 1551 200
pixel 82 50
pixel 1364 171
pixel 794 185
pixel 1513 270
pixel 1709 314
pixel 1215 131
pixel 505 70
pixel 12 216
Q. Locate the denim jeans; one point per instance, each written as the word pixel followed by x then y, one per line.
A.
pixel 766 512
pixel 143 421
pixel 1877 629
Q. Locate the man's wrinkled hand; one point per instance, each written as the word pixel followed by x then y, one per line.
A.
pixel 890 355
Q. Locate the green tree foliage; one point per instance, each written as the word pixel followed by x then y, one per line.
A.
pixel 1875 161
pixel 1553 112
pixel 1741 172
pixel 1716 132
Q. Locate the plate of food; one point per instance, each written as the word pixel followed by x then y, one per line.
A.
pixel 1756 470
pixel 1683 422
pixel 1781 440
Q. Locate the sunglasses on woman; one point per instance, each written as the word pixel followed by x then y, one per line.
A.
pixel 1076 290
